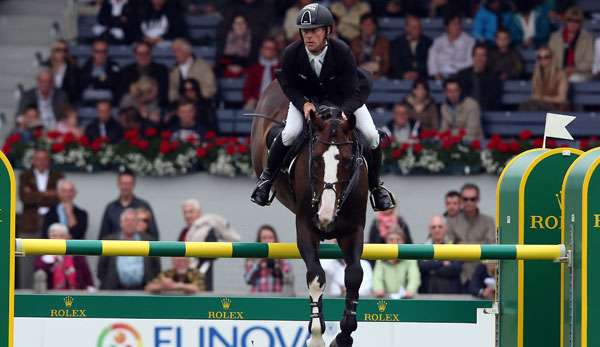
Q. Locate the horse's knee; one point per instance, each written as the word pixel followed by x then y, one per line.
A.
pixel 353 276
pixel 315 273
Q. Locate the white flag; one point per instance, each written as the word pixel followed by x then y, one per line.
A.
pixel 556 126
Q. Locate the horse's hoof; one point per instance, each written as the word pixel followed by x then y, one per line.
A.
pixel 341 341
pixel 316 341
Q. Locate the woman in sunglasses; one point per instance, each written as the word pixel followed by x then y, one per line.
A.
pixel 549 85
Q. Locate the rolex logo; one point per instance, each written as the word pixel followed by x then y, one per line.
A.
pixel 381 305
pixel 68 301
pixel 226 303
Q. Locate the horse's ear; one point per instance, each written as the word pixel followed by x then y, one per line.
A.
pixel 350 123
pixel 316 120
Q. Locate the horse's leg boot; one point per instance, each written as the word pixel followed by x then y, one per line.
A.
pixel 381 198
pixel 261 195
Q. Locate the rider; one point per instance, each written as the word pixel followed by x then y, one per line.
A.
pixel 318 68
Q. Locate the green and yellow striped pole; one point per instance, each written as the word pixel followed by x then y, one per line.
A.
pixel 284 250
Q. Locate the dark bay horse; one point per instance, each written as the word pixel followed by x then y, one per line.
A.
pixel 327 190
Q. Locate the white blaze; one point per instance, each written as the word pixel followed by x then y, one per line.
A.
pixel 327 206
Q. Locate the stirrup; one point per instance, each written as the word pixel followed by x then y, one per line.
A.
pixel 372 199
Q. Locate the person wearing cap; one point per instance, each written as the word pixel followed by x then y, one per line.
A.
pixel 573 47
pixel 321 68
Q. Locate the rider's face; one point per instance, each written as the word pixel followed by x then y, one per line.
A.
pixel 314 39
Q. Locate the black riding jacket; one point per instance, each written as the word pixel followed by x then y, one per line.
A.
pixel 337 84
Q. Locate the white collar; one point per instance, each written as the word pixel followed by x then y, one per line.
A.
pixel 320 56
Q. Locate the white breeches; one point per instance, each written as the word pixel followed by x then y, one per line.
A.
pixel 364 124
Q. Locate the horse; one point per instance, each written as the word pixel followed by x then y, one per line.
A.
pixel 327 190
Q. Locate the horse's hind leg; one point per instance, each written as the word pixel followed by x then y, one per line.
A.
pixel 352 248
pixel 308 244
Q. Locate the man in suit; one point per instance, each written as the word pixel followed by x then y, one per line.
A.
pixel 145 66
pixel 37 191
pixel 408 53
pixel 127 273
pixel 187 66
pixel 104 125
pixel 48 100
pixel 99 75
pixel 320 68
pixel 66 212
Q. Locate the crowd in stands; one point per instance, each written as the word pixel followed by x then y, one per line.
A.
pixel 251 36
pixel 50 211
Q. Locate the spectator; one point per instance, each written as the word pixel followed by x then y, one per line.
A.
pixel 129 119
pixel 66 212
pixel 445 8
pixel 104 125
pixel 186 125
pixel 28 123
pixel 267 275
pixel 144 97
pixel 181 278
pixel 384 223
pixel 37 191
pixel 118 21
pixel 549 85
pixel 48 100
pixel 99 75
pixel 471 226
pixel 460 112
pixel 349 13
pixel 289 23
pixel 335 273
pixel 408 53
pixel 69 122
pixel 259 15
pixel 190 67
pixel 596 67
pixel 209 228
pixel 531 24
pixel 507 61
pixel 127 273
pixel 64 71
pixel 372 51
pixel 439 277
pixel 479 80
pixel 450 52
pixel 261 74
pixel 452 203
pixel 144 66
pixel 483 282
pixel 401 128
pixel 573 47
pixel 65 272
pixel 421 107
pixel 126 200
pixel 396 278
pixel 162 22
pixel 491 16
pixel 144 220
pixel 192 93
pixel 238 48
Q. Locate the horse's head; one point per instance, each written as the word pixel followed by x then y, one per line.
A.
pixel 333 157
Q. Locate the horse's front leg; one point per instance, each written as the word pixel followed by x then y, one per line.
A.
pixel 308 244
pixel 352 246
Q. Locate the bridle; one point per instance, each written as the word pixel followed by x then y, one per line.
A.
pixel 350 184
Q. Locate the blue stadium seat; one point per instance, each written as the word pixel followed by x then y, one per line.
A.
pixel 84 27
pixel 512 123
pixel 381 116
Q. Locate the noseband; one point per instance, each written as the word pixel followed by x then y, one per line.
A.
pixel 357 162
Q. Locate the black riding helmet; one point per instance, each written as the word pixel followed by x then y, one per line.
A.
pixel 314 16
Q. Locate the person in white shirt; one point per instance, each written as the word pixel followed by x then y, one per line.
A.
pixel 450 52
pixel 596 66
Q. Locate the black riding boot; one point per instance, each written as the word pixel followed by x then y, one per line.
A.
pixel 381 198
pixel 277 153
